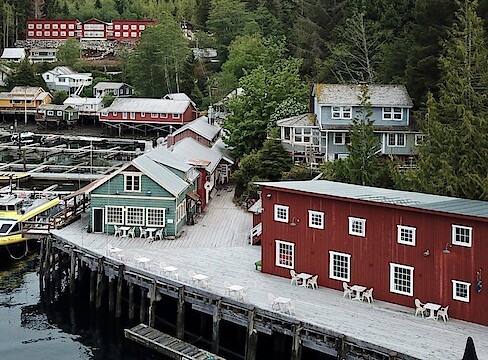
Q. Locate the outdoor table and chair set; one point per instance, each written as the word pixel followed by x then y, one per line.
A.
pixel 146 233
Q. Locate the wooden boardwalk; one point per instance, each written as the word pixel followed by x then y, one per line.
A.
pixel 217 245
pixel 167 345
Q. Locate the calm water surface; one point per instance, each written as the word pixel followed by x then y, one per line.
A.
pixel 31 330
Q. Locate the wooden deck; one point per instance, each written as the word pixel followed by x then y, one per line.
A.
pixel 217 245
pixel 167 345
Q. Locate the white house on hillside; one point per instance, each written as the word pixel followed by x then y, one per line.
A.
pixel 14 54
pixel 64 78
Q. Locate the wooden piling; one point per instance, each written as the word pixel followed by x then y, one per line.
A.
pixel 93 284
pixel 72 273
pixel 340 346
pixel 296 345
pixel 118 302
pixel 131 301
pixel 143 308
pixel 98 302
pixel 41 266
pixel 111 295
pixel 152 303
pixel 180 316
pixel 252 336
pixel 217 316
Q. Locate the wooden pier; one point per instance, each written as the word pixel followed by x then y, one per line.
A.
pixel 167 345
pixel 325 324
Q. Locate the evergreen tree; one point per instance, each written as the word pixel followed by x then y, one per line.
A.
pixel 69 52
pixel 453 159
pixel 24 75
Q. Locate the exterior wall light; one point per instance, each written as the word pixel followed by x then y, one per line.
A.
pixel 426 253
pixel 446 249
pixel 268 195
pixel 295 221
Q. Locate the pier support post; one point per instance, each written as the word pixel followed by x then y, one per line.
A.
pixel 118 302
pixel 41 266
pixel 52 270
pixel 72 272
pixel 152 304
pixel 111 295
pixel 143 308
pixel 180 316
pixel 340 347
pixel 296 345
pixel 252 337
pixel 217 316
pixel 98 302
pixel 131 301
pixel 93 284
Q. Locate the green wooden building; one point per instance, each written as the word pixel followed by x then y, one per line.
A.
pixel 149 192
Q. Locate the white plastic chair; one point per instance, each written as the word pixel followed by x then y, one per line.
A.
pixel 162 265
pixel 142 232
pixel 158 234
pixel 131 233
pixel 443 313
pixel 313 282
pixel 419 308
pixel 206 282
pixel 191 274
pixel 347 290
pixel 368 294
pixel 226 287
pixel 117 231
pixel 243 294
pixel 294 277
pixel 290 307
pixel 273 303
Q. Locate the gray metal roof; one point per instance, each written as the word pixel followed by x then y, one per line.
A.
pixel 75 100
pixel 163 156
pixel 13 53
pixel 29 90
pixel 107 85
pixel 191 151
pixel 64 107
pixel 161 175
pixel 61 70
pixel 201 127
pixel 148 105
pixel 221 148
pixel 299 120
pixel 416 200
pixel 349 94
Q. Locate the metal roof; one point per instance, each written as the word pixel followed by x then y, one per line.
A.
pixel 61 70
pixel 299 120
pixel 148 105
pixel 82 101
pixel 29 90
pixel 349 94
pixel 446 204
pixel 13 53
pixel 75 76
pixel 223 151
pixel 190 151
pixel 161 175
pixel 165 157
pixel 201 127
pixel 64 107
pixel 106 85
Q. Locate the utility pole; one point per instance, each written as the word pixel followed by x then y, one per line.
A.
pixel 25 106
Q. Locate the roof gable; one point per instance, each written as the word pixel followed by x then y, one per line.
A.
pixel 200 127
pixel 192 152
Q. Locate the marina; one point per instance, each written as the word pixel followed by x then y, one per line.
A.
pixel 217 246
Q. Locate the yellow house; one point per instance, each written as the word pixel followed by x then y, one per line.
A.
pixel 24 97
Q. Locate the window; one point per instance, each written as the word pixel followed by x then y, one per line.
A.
pixel 286 133
pixel 153 115
pixel 55 26
pixel 38 33
pixel 47 26
pixel 59 113
pixel 142 27
pixel 38 26
pixel 339 266
pixel 315 219
pixel 63 33
pixel 132 183
pixel 341 138
pixel 47 33
pixel 406 235
pixel 55 33
pixel 134 216
pixel 281 213
pixel 71 33
pixel 285 254
pixel 181 211
pixel 392 113
pixel 63 26
pixel 117 33
pixel 302 135
pixel 114 113
pixel 401 279
pixel 461 235
pixel 143 114
pixel 341 112
pixel 133 34
pixel 132 115
pixel 30 26
pixel 155 216
pixel 125 27
pixel 71 26
pixel 117 27
pixel 124 115
pixel 133 27
pixel 31 33
pixel 357 226
pixel 50 113
pixel 396 140
pixel 460 290
pixel 115 215
pixel 163 115
pixel 125 34
pixel 176 116
pixel 419 139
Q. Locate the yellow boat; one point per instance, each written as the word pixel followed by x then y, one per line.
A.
pixel 15 211
pixel 13 178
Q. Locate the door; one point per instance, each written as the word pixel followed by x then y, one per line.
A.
pixel 98 220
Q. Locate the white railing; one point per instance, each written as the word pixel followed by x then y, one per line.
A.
pixel 256 231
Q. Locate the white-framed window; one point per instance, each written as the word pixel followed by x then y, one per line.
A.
pixel 392 113
pixel 124 115
pixel 316 219
pixel 462 235
pixel 59 113
pixel 47 26
pixel 163 115
pixel 342 112
pixel 302 135
pixel 401 279
pixel 117 27
pixel 133 34
pixel 339 266
pixel 181 211
pixel 55 33
pixel 396 140
pixel 406 235
pixel 154 115
pixel 63 33
pixel 460 290
pixel 117 33
pixel 357 226
pixel 155 217
pixel 38 33
pixel 281 213
pixel 143 114
pixel 31 33
pixel 71 33
pixel 30 26
pixel 114 215
pixel 38 26
pixel 47 33
pixel 132 182
pixel 55 26
pixel 419 139
pixel 71 26
pixel 341 138
pixel 134 216
pixel 142 27
pixel 114 113
pixel 285 254
pixel 176 116
pixel 132 115
pixel 63 26
pixel 125 27
pixel 50 113
pixel 125 34
pixel 133 27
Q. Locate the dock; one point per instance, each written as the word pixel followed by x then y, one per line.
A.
pixel 167 345
pixel 217 245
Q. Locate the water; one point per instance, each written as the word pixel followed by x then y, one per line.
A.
pixel 30 329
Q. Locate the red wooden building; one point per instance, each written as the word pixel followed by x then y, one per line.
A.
pixel 44 29
pixel 405 245
pixel 200 130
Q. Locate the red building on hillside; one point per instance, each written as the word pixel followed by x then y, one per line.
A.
pixel 405 245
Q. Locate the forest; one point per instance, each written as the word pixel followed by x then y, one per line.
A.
pixel 276 49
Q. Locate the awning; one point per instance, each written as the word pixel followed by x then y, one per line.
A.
pixel 193 195
pixel 84 190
